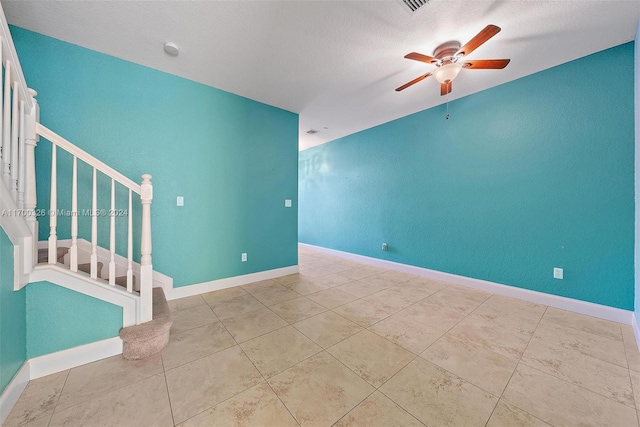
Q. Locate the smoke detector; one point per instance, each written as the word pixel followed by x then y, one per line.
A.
pixel 171 48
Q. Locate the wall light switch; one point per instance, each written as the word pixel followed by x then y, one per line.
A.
pixel 287 203
pixel 180 201
pixel 558 273
pixel 244 257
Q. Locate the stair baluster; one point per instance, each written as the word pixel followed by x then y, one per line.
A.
pixel 73 251
pixel 53 207
pixel 14 142
pixel 130 245
pixel 21 155
pixel 94 228
pixel 112 235
pixel 6 110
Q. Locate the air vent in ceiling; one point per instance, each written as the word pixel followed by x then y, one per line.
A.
pixel 413 5
pixel 312 131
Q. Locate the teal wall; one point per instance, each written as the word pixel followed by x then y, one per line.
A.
pixel 233 159
pixel 636 74
pixel 12 317
pixel 58 318
pixel 524 177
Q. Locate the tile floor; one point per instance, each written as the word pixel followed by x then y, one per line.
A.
pixel 347 344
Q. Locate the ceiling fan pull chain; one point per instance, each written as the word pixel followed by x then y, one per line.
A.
pixel 447 116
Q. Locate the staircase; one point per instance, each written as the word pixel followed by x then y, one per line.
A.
pixel 76 263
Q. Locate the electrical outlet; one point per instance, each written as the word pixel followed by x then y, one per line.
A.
pixel 244 257
pixel 558 273
pixel 287 203
pixel 385 247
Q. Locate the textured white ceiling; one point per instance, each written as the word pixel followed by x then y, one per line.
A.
pixel 336 63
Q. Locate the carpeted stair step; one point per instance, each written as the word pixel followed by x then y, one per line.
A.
pixel 86 268
pixel 147 339
pixel 122 281
pixel 43 255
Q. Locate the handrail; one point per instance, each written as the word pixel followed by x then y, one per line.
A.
pixel 59 141
pixel 12 55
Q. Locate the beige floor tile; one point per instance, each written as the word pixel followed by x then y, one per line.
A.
pixel 378 410
pixel 431 285
pixel 461 299
pixel 371 356
pixel 312 273
pixel 256 407
pixel 253 324
pixel 358 273
pixel 397 276
pixel 143 403
pixel 261 286
pixel 418 326
pixel 328 328
pixel 190 318
pixel 278 350
pixel 495 335
pixel 206 382
pixel 297 309
pixel 291 278
pixel 275 295
pixel 635 383
pixel 195 343
pixel 586 343
pixel 390 297
pixel 320 390
pixel 437 397
pixel 593 374
pixel 525 314
pixel 364 313
pixel 507 415
pixel 631 348
pixel 98 378
pixel 38 399
pixel 360 288
pixel 216 298
pixel 481 367
pixel 306 287
pixel 332 280
pixel 584 323
pixel 187 302
pixel 237 306
pixel 40 422
pixel 331 298
pixel 558 402
pixel 414 292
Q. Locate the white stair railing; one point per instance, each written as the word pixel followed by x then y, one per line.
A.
pixel 145 190
pixel 20 131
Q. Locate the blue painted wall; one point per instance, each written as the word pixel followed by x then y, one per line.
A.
pixel 58 318
pixel 12 317
pixel 636 74
pixel 524 177
pixel 233 159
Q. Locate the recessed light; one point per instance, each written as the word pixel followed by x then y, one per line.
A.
pixel 171 48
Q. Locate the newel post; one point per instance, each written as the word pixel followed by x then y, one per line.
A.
pixel 146 268
pixel 30 141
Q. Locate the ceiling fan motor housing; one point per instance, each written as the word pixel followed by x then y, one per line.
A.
pixel 446 52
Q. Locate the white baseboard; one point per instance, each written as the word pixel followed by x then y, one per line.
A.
pixel 13 391
pixel 73 357
pixel 215 285
pixel 564 303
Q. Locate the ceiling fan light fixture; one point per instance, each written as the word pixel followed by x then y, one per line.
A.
pixel 447 73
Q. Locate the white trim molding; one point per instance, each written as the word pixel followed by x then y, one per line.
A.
pixel 14 389
pixel 583 307
pixel 229 282
pixel 76 356
pixel 636 329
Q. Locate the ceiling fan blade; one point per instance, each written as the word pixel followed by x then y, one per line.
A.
pixel 486 64
pixel 412 82
pixel 480 38
pixel 445 88
pixel 420 57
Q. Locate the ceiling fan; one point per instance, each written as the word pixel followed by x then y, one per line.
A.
pixel 449 58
